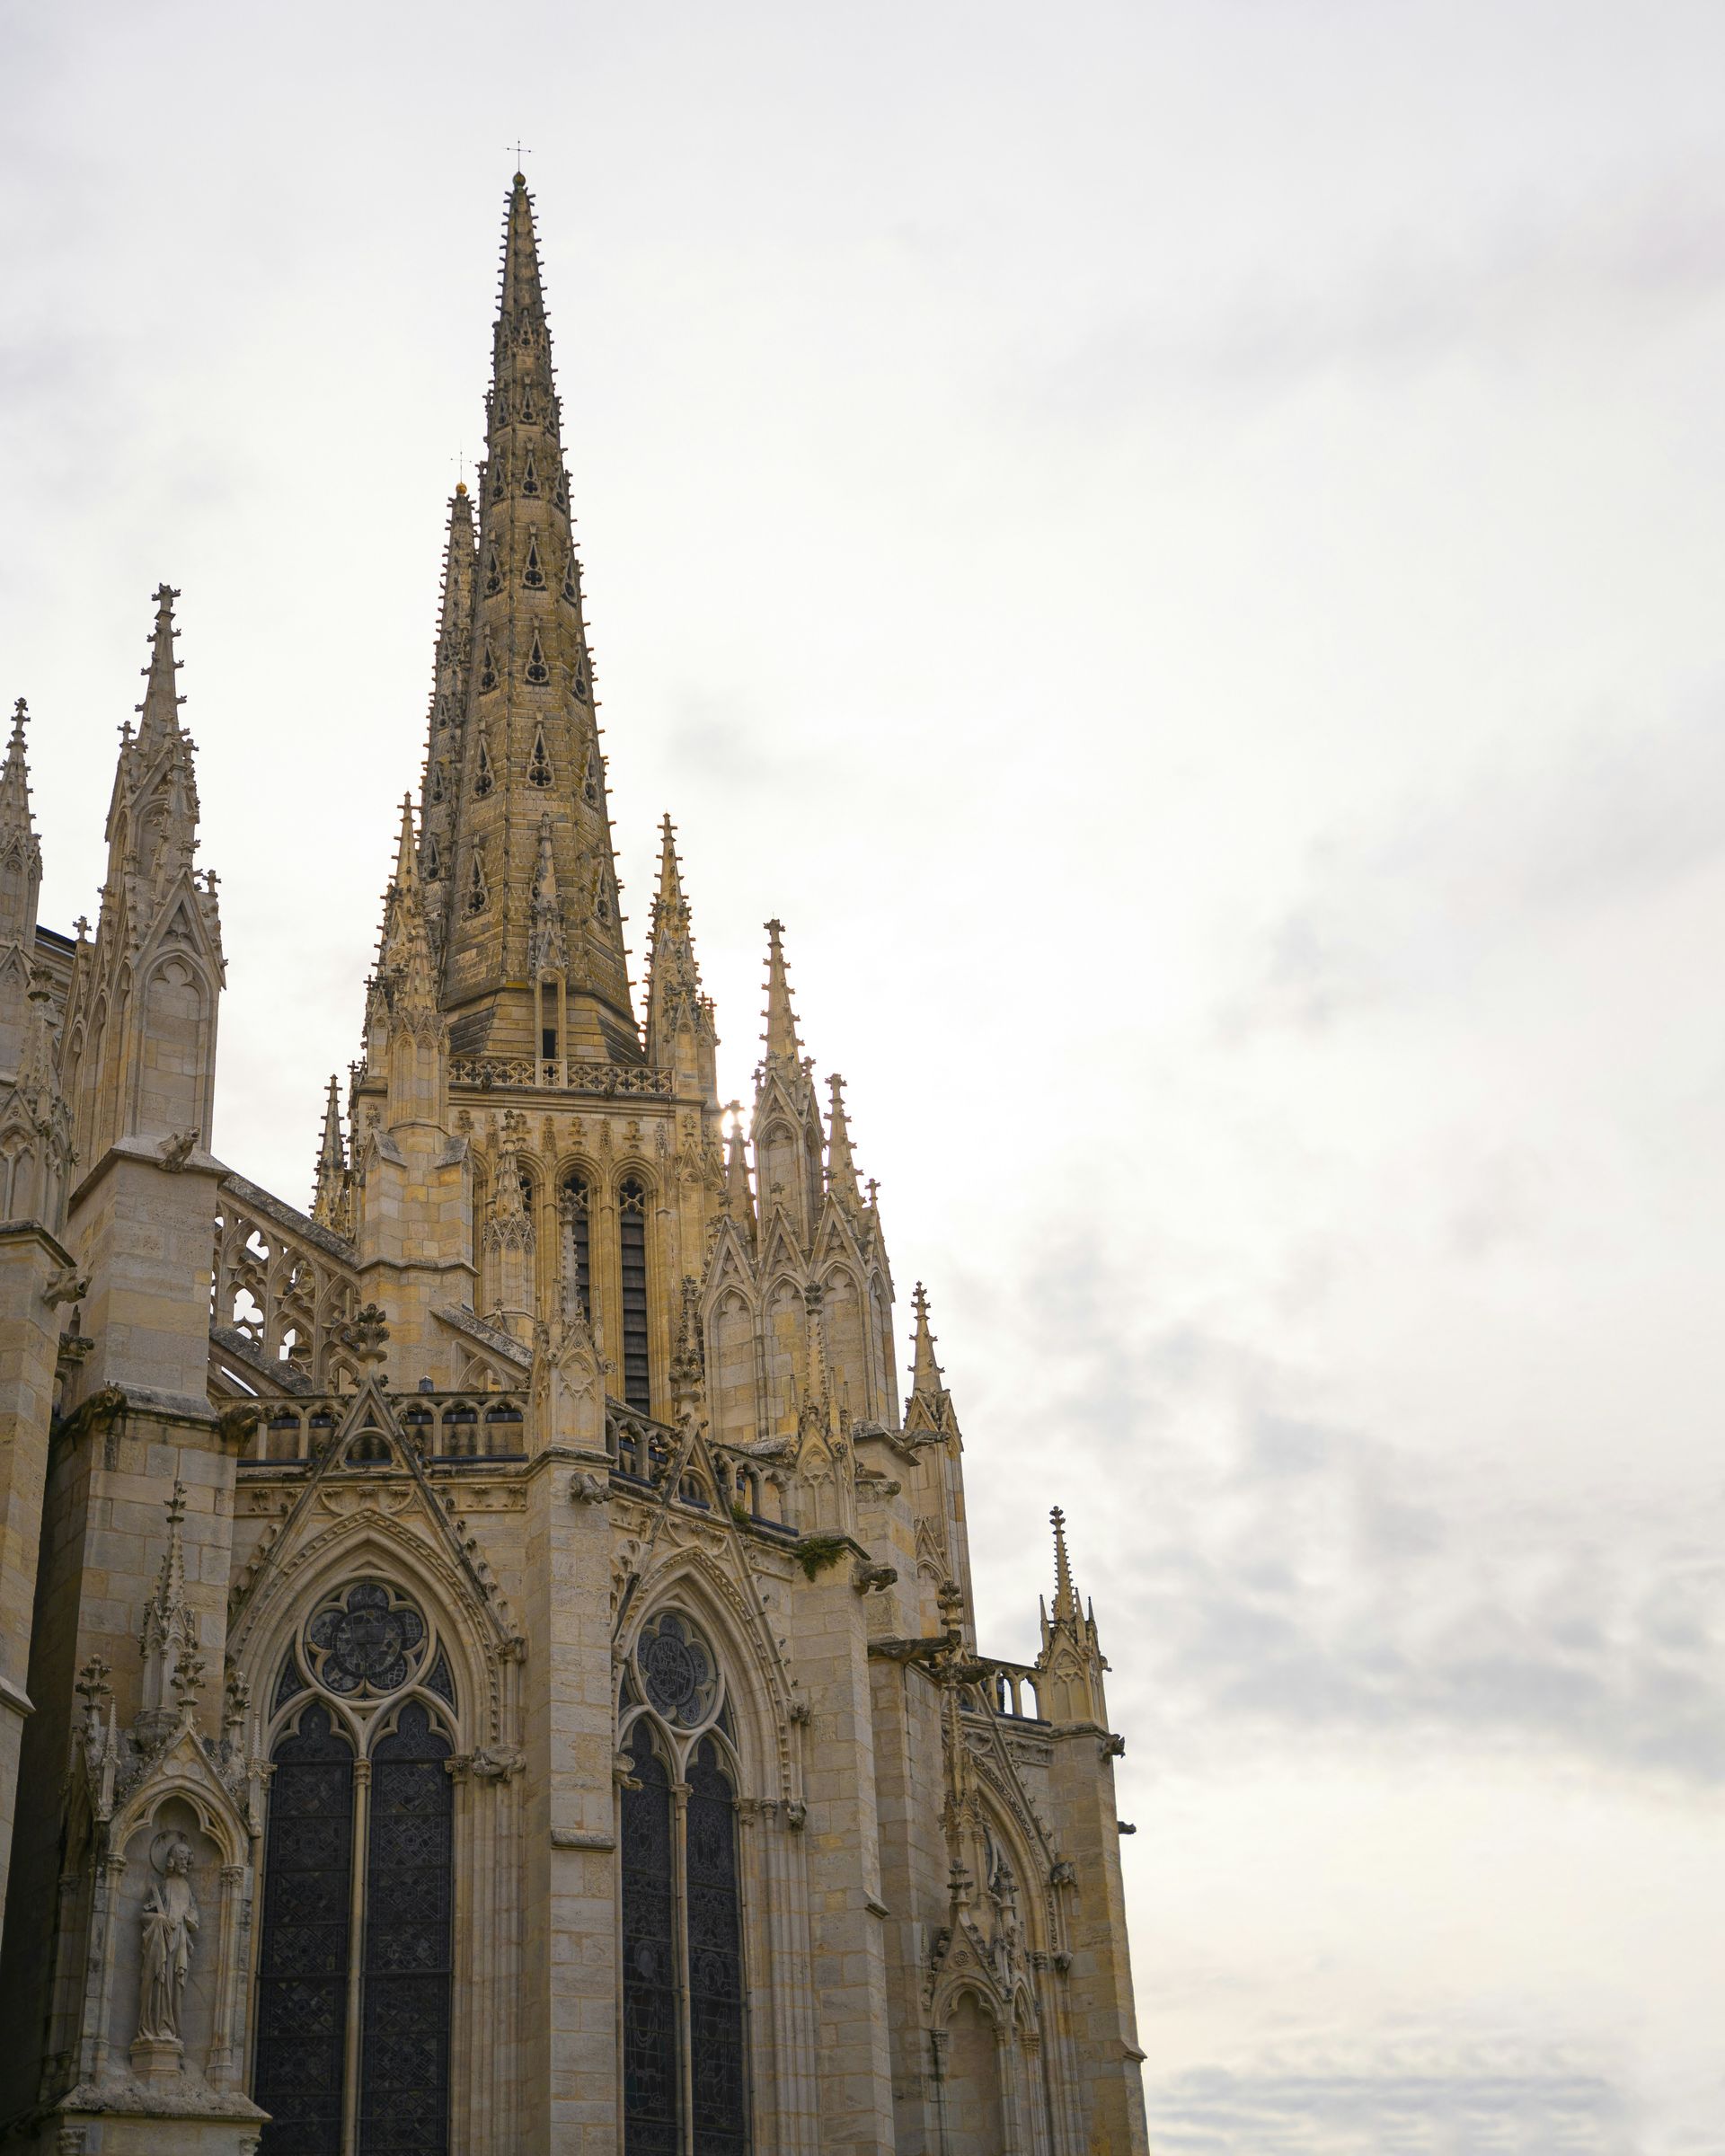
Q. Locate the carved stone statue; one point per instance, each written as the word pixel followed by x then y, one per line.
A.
pixel 170 1920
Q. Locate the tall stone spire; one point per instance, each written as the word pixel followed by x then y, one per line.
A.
pixel 680 1032
pixel 441 784
pixel 529 739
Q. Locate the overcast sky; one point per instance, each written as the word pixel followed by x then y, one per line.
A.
pixel 1179 548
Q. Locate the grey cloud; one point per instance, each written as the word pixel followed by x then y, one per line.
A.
pixel 1528 849
pixel 1400 2101
pixel 1608 270
pixel 1288 1575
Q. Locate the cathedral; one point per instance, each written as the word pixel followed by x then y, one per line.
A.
pixel 488 1662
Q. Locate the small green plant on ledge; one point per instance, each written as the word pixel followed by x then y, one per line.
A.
pixel 816 1552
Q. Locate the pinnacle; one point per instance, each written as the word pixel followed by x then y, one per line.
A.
pixel 406 850
pixel 925 1371
pixel 670 873
pixel 841 1166
pixel 780 1035
pixel 738 1202
pixel 160 722
pixel 14 774
pixel 1065 1602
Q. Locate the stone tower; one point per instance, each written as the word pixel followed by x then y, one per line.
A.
pixel 488 1661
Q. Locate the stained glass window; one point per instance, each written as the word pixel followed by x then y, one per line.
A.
pixel 316 1980
pixel 649 2030
pixel 404 2040
pixel 717 2090
pixel 303 1965
pixel 685 2072
pixel 677 1670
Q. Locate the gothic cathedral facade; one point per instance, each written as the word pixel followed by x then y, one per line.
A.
pixel 487 1664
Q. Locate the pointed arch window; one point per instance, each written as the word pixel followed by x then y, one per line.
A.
pixel 590 775
pixel 435 791
pixel 532 575
pixel 493 571
pixel 631 1254
pixel 537 671
pixel 357 1951
pixel 477 894
pixel 684 2036
pixel 578 1249
pixel 482 779
pixel 487 667
pixel 529 476
pixel 433 859
pixel 539 765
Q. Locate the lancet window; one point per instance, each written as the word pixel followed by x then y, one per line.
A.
pixel 578 1229
pixel 357 1947
pixel 632 1252
pixel 685 2067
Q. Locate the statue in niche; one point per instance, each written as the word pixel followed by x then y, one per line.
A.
pixel 170 1920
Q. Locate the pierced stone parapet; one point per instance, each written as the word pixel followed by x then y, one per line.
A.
pixel 561 1075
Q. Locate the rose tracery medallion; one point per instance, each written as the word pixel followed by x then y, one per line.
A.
pixel 366 1641
pixel 677 1672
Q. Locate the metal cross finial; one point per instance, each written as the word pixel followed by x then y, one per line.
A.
pixel 520 152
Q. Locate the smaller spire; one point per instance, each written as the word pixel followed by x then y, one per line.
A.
pixel 547 945
pixel 330 1183
pixel 407 848
pixel 174 1668
pixel 680 1031
pixel 841 1167
pixel 21 851
pixel 739 1202
pixel 1066 1602
pixel 780 1035
pixel 159 721
pixel 924 1371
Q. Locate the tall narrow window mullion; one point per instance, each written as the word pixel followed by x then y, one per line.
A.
pixel 718 2081
pixel 303 1963
pixel 632 1250
pixel 404 2053
pixel 650 2110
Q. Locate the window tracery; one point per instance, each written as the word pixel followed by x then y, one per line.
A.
pixel 683 2072
pixel 358 1838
